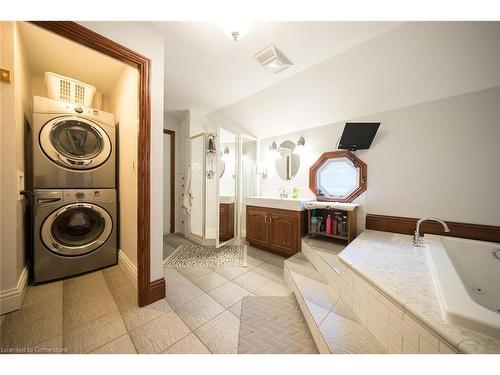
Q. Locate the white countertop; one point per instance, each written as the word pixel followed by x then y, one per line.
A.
pixel 226 199
pixel 400 270
pixel 294 204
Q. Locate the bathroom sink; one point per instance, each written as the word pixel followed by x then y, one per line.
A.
pixel 295 204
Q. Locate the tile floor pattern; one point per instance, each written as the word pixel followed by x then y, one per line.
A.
pixel 97 312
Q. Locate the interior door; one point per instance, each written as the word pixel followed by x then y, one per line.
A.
pixel 283 232
pixel 257 227
pixel 75 142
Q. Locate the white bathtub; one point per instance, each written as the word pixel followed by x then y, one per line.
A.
pixel 466 275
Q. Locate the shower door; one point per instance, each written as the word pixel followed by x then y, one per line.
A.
pixel 227 187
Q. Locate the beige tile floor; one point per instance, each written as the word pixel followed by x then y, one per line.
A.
pixel 97 312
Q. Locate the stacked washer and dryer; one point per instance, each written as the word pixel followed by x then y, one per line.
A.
pixel 74 189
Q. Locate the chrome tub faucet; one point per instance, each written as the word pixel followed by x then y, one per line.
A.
pixel 417 239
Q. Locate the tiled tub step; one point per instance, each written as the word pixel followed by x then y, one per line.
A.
pixel 333 325
pixel 323 256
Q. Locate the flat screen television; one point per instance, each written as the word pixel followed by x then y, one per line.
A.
pixel 358 135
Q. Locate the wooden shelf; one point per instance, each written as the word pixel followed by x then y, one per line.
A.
pixel 351 224
pixel 329 235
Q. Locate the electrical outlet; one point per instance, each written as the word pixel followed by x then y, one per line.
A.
pixel 4 75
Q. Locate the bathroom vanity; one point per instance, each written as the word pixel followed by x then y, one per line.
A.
pixel 276 224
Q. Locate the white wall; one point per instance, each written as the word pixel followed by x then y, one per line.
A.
pixel 16 107
pixel 415 63
pixel 434 159
pixel 124 103
pixel 146 40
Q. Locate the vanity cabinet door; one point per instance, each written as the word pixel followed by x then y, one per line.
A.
pixel 284 232
pixel 257 227
pixel 226 221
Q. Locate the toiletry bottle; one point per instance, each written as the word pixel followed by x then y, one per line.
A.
pixel 320 224
pixel 328 224
pixel 295 192
pixel 314 221
pixel 344 226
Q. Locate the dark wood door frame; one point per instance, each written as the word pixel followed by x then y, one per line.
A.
pixel 172 178
pixel 147 291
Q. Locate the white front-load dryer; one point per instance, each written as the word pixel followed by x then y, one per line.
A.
pixel 73 146
pixel 74 232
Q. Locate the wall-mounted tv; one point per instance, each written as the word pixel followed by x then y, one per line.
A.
pixel 358 135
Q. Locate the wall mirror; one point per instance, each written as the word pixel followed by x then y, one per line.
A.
pixel 227 186
pixel 287 162
pixel 338 176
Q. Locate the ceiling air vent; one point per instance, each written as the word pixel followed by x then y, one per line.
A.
pixel 272 58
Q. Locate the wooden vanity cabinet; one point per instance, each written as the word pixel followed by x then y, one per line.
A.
pixel 276 230
pixel 226 221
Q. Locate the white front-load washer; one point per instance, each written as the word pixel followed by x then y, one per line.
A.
pixel 73 146
pixel 74 232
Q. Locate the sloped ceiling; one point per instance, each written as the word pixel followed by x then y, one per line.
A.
pixel 414 63
pixel 205 70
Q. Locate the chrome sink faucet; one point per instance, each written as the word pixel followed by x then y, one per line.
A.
pixel 417 239
pixel 283 193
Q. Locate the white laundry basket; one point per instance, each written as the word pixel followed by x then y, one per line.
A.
pixel 68 89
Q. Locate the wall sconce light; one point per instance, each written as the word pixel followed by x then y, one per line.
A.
pixel 300 146
pixel 225 153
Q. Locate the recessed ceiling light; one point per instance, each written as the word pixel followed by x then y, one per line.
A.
pixel 235 30
pixel 272 58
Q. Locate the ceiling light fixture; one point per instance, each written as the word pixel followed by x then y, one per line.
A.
pixel 235 30
pixel 272 58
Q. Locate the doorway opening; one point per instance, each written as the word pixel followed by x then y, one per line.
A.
pixel 148 291
pixel 168 181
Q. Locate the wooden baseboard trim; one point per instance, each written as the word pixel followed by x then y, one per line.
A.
pixel 406 225
pixel 156 290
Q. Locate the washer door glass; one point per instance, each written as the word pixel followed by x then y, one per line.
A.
pixel 75 142
pixel 76 229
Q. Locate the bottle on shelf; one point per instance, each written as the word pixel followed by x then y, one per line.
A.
pixel 314 220
pixel 320 224
pixel 344 226
pixel 329 224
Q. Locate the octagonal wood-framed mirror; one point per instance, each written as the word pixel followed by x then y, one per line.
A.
pixel 338 176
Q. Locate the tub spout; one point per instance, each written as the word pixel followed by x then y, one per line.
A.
pixel 417 239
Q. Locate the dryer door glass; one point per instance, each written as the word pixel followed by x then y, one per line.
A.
pixel 76 139
pixel 75 142
pixel 76 229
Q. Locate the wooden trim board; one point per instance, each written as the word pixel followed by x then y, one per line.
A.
pixel 406 225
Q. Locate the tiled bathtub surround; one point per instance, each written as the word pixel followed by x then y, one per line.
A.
pixel 387 283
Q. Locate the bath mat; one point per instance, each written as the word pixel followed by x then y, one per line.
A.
pixel 194 255
pixel 273 325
